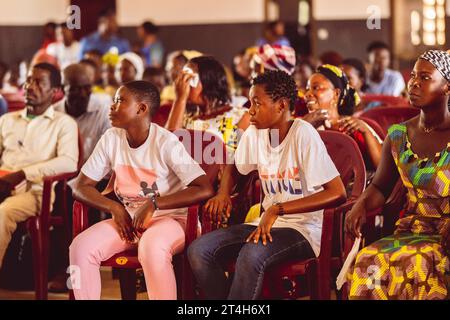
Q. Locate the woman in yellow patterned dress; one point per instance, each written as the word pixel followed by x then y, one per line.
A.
pixel 411 264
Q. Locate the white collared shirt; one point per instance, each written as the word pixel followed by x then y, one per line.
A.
pixel 93 123
pixel 43 146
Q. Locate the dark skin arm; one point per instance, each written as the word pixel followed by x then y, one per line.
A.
pixel 372 198
pixel 316 118
pixel 182 89
pixel 333 194
pixel 85 191
pixel 8 182
pixel 198 190
pixel 221 202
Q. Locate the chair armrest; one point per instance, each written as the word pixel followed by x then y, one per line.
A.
pixel 192 223
pixel 333 219
pixel 47 192
pixel 80 217
pixel 60 177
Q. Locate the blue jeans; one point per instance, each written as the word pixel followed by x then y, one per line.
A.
pixel 209 254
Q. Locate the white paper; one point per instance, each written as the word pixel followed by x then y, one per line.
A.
pixel 342 277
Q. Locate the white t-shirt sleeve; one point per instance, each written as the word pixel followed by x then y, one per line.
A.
pixel 246 155
pixel 179 160
pixel 317 164
pixel 99 163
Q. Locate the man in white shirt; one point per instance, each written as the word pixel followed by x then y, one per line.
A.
pixel 34 142
pixel 382 80
pixel 90 110
pixel 66 49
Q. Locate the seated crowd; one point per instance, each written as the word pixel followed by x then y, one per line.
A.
pixel 269 110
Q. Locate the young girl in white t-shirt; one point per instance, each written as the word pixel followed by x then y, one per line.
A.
pixel 155 180
pixel 299 180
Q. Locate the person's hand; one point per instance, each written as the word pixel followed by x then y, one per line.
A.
pixel 219 208
pixel 8 182
pixel 143 216
pixel 122 220
pixel 265 225
pixel 349 125
pixel 354 220
pixel 316 118
pixel 5 189
pixel 182 86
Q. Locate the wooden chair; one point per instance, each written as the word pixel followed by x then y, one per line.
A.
pixel 387 116
pixel 385 100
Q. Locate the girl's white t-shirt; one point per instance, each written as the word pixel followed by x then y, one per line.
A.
pixel 160 166
pixel 296 168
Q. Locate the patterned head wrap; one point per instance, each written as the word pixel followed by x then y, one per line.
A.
pixel 348 97
pixel 440 60
pixel 276 57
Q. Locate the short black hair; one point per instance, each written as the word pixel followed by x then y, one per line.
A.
pixel 55 74
pixel 107 12
pixel 89 62
pixel 357 64
pixel 272 24
pixel 278 85
pixel 213 78
pixel 149 27
pixel 153 71
pixel 146 92
pixel 377 45
pixel 51 24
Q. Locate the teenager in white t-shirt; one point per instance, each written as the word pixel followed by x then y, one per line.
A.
pixel 155 180
pixel 298 178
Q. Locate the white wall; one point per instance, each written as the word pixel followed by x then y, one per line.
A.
pixel 348 9
pixel 164 12
pixel 32 12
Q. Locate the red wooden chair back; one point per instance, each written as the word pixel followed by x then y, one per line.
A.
pixel 385 100
pixel 375 126
pixel 161 116
pixel 387 116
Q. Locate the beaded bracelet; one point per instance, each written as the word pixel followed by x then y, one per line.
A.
pixel 154 203
pixel 280 209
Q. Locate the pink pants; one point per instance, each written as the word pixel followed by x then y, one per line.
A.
pixel 164 238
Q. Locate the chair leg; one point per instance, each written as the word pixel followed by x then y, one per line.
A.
pixel 127 279
pixel 324 285
pixel 39 236
pixel 187 285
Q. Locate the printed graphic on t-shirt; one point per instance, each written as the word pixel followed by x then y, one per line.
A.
pixel 133 186
pixel 283 181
